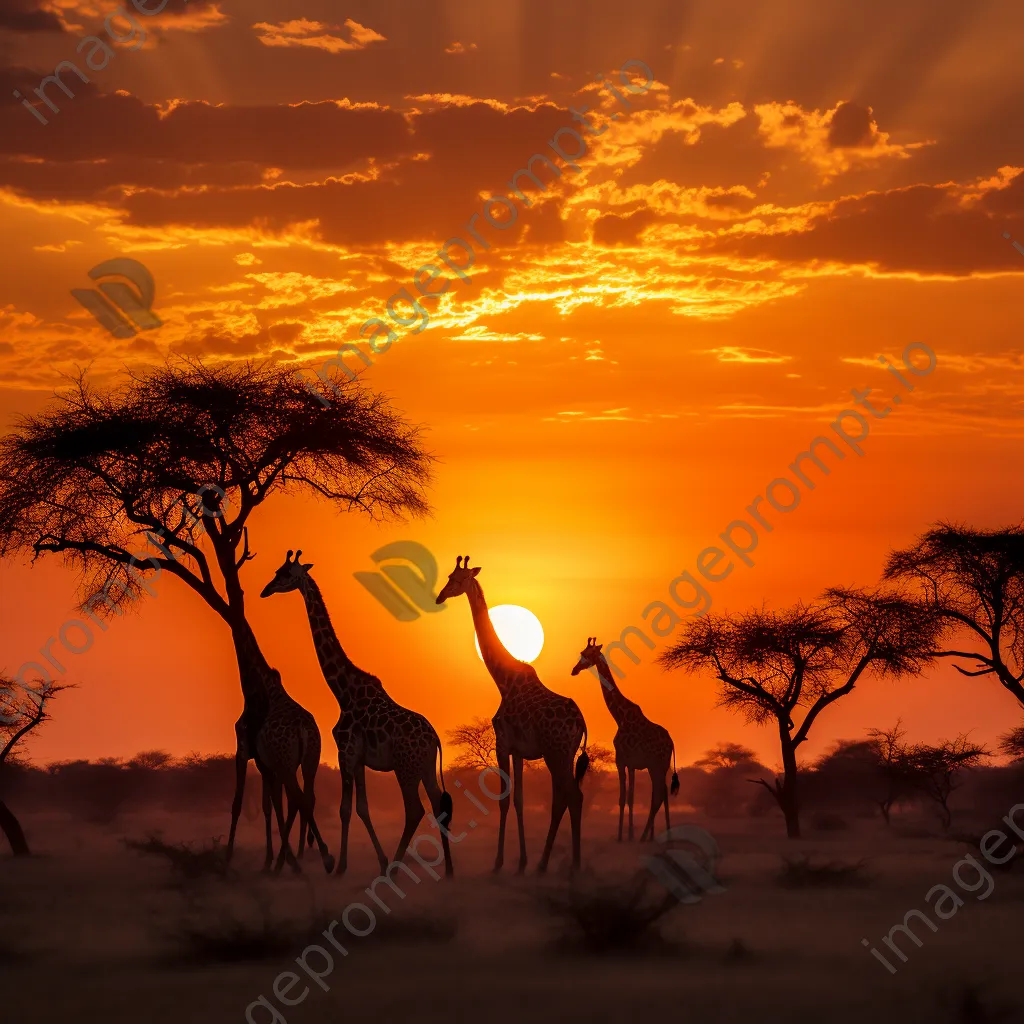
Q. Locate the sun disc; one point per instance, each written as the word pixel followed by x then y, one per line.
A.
pixel 518 629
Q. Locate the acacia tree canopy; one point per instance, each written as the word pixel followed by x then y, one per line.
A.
pixel 773 663
pixel 100 471
pixel 974 580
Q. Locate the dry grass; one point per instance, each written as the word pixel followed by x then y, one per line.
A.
pixel 802 873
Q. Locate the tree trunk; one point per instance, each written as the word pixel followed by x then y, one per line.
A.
pixel 11 828
pixel 790 800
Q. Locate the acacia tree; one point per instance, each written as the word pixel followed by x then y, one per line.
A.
pixel 974 580
pixel 895 765
pixel 727 755
pixel 1012 744
pixel 89 477
pixel 477 741
pixel 937 769
pixel 773 666
pixel 22 709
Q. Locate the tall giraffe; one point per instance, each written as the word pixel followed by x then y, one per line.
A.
pixel 281 736
pixel 532 722
pixel 639 743
pixel 374 731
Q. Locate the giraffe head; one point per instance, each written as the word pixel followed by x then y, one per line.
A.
pixel 288 577
pixel 458 580
pixel 588 656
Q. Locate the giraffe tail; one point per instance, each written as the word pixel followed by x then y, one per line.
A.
pixel 447 807
pixel 583 761
pixel 675 775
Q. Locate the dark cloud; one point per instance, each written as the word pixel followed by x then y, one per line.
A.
pixel 923 228
pixel 27 16
pixel 850 126
pixel 97 126
pixel 613 230
pixel 278 166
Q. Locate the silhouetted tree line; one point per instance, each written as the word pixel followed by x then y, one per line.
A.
pixel 857 779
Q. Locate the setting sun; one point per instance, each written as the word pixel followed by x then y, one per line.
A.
pixel 518 629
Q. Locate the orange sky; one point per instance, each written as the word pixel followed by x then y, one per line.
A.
pixel 801 189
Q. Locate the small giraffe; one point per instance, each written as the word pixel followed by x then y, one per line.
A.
pixel 639 743
pixel 281 736
pixel 373 731
pixel 532 722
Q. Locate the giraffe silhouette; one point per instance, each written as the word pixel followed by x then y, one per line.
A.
pixel 639 743
pixel 532 722
pixel 374 731
pixel 281 736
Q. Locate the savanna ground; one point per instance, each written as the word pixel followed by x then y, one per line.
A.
pixel 94 931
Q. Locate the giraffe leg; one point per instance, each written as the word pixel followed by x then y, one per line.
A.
pixel 306 823
pixel 241 764
pixel 659 793
pixel 268 860
pixel 632 779
pixel 503 766
pixel 517 769
pixel 301 848
pixel 363 810
pixel 413 814
pixel 346 817
pixel 300 802
pixel 309 765
pixel 622 796
pixel 286 850
pixel 575 798
pixel 559 801
pixel 434 796
pixel 668 825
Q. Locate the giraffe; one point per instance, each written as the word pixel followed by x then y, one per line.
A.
pixel 374 731
pixel 281 736
pixel 639 743
pixel 531 723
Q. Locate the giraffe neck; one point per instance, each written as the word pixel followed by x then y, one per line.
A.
pixel 259 685
pixel 502 666
pixel 342 676
pixel 618 705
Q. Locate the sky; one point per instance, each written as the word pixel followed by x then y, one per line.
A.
pixel 769 197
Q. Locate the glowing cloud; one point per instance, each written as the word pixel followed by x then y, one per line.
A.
pixel 315 34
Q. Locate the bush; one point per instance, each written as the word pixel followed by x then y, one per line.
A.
pixel 826 821
pixel 188 863
pixel 229 937
pixel 399 927
pixel 612 918
pixel 800 873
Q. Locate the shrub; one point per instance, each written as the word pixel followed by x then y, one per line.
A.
pixel 800 873
pixel 612 918
pixel 826 821
pixel 188 863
